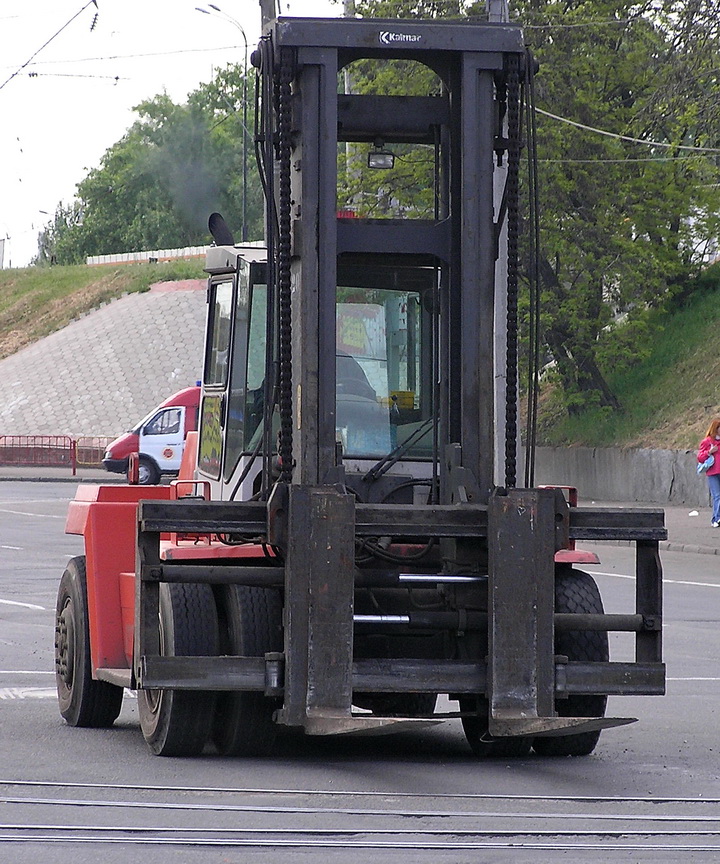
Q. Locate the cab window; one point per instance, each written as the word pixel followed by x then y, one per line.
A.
pixel 384 347
pixel 218 343
pixel 166 422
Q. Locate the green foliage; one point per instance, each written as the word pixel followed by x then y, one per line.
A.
pixel 156 187
pixel 670 390
pixel 624 224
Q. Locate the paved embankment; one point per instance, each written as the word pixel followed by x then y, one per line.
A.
pixel 104 372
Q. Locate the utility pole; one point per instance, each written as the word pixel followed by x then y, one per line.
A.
pixel 498 11
pixel 268 12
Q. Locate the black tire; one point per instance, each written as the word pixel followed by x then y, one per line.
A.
pixel 83 700
pixel 250 626
pixel 148 472
pixel 576 591
pixel 178 722
pixel 481 743
pixel 397 704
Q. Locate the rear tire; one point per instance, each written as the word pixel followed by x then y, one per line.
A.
pixel 83 701
pixel 576 591
pixel 250 626
pixel 178 722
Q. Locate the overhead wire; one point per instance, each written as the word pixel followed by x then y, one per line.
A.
pixel 630 139
pixel 47 42
pixel 132 56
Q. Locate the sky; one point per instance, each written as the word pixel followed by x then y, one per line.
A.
pixel 70 74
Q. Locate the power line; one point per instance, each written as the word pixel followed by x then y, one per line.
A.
pixel 114 78
pixel 131 56
pixel 580 24
pixel 45 44
pixel 627 137
pixel 621 161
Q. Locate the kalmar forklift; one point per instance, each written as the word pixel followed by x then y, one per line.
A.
pixel 347 540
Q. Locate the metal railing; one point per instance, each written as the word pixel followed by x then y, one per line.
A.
pixel 52 451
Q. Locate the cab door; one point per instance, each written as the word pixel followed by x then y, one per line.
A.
pixel 162 438
pixel 231 407
pixel 213 406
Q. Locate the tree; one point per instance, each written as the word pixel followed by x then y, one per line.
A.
pixel 624 224
pixel 156 187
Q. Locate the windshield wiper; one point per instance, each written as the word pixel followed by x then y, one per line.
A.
pixel 386 463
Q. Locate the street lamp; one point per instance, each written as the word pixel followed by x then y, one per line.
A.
pixel 224 15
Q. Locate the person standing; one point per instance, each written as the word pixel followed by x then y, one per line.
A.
pixel 709 446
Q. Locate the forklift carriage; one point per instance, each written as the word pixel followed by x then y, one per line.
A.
pixel 346 540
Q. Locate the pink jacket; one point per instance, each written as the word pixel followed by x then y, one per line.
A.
pixel 704 452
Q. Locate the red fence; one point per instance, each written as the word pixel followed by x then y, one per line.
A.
pixel 52 451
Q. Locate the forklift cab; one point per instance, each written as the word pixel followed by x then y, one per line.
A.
pixel 382 368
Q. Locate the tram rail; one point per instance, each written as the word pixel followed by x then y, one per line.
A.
pixel 561 823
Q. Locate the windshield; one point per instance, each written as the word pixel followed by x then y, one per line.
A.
pixel 383 370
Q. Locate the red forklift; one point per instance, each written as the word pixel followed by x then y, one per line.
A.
pixel 347 540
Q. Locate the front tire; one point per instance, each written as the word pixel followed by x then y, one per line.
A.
pixel 251 626
pixel 576 591
pixel 397 704
pixel 83 701
pixel 475 726
pixel 178 722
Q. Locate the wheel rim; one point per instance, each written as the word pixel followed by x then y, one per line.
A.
pixel 153 698
pixel 143 474
pixel 65 644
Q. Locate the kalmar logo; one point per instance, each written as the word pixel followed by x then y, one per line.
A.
pixel 387 37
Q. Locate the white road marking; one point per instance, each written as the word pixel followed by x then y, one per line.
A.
pixel 26 672
pixel 25 693
pixel 16 548
pixel 24 605
pixel 39 515
pixel 665 581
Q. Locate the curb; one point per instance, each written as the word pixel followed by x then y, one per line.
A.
pixel 104 481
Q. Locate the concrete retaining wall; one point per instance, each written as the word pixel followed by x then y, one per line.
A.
pixel 607 474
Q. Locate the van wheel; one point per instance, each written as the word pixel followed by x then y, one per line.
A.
pixel 177 722
pixel 250 626
pixel 148 473
pixel 83 701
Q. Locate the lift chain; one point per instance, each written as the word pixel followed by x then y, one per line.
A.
pixel 284 256
pixel 513 224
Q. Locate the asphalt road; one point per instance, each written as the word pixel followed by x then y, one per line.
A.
pixel 649 792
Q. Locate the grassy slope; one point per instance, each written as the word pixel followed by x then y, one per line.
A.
pixel 36 301
pixel 668 399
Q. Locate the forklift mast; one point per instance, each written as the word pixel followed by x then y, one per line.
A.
pixel 350 384
pixel 441 265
